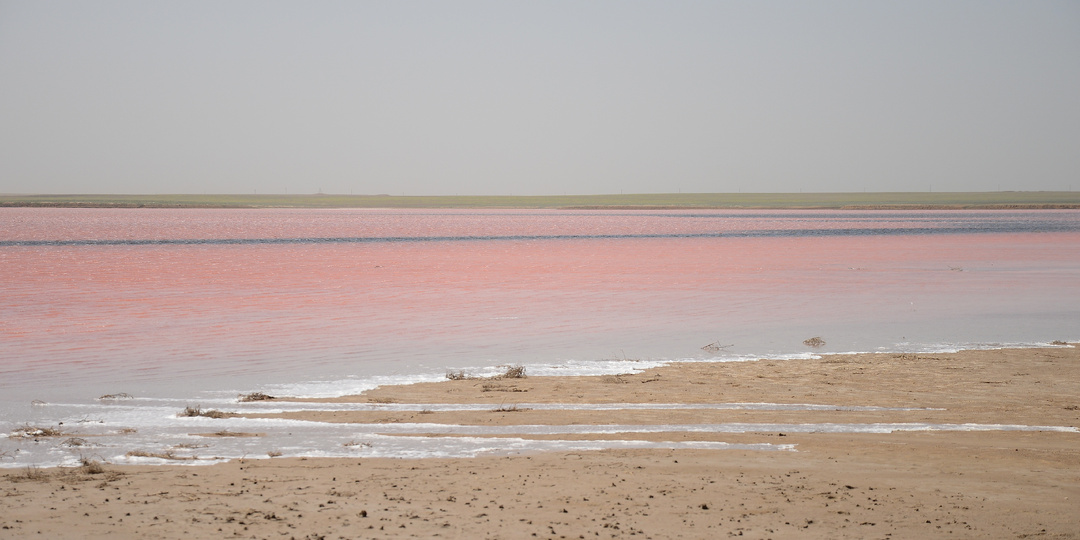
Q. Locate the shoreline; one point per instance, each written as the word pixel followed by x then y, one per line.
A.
pixel 882 383
pixel 643 207
pixel 999 200
pixel 994 483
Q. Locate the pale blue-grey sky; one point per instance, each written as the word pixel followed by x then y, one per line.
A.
pixel 469 97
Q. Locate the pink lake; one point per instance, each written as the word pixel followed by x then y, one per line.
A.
pixel 173 302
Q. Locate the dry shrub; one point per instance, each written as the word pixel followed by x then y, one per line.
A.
pixel 190 446
pixel 1058 342
pixel 457 376
pixel 254 396
pixel 227 433
pixel 159 455
pixel 209 413
pixel 74 441
pixel 714 347
pixel 109 476
pixel 91 469
pixel 814 342
pixel 514 372
pixel 490 387
pixel 111 397
pixel 509 408
pixel 144 453
pixel 274 453
pixel 91 466
pixel 32 432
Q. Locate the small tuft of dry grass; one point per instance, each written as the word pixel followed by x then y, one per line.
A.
pixel 209 413
pixel 274 453
pixel 32 474
pixel 509 408
pixel 254 396
pixel 814 342
pixel 74 441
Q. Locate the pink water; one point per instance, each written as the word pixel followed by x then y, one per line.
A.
pixel 177 301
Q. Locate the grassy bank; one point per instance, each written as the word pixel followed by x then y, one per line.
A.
pixel 998 199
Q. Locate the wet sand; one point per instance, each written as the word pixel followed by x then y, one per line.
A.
pixel 957 484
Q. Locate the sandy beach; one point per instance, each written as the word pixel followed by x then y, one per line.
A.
pixel 957 483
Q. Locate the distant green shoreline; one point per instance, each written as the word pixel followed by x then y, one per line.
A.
pixel 644 201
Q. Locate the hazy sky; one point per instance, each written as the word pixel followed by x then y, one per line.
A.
pixel 544 97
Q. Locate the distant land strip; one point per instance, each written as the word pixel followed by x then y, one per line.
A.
pixel 772 233
pixel 992 200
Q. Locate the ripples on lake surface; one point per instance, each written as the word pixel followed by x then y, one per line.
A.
pixel 180 301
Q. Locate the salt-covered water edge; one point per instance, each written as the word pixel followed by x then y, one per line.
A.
pixel 148 430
